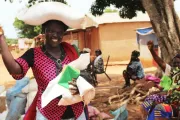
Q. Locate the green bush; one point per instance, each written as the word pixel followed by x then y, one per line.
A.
pixel 10 41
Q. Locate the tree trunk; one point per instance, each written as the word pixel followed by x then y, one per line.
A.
pixel 166 25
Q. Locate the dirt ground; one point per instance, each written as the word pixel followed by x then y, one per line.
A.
pixel 103 90
pixel 5 77
pixel 108 88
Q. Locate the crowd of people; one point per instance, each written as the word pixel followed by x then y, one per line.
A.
pixel 162 104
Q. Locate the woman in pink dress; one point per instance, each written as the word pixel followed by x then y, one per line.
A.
pixel 46 63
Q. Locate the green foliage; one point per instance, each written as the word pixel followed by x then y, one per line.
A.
pixel 26 31
pixel 10 41
pixel 127 8
pixel 109 10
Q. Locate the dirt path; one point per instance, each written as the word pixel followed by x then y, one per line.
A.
pixel 5 78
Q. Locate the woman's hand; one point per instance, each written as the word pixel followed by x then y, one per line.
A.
pixel 150 45
pixel 1 33
pixel 39 40
pixel 2 37
pixel 73 87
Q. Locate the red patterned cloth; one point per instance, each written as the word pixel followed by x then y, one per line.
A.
pixel 44 70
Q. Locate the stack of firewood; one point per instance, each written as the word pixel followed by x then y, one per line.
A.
pixel 112 98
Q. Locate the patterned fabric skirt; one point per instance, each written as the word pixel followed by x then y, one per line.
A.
pixel 156 98
pixel 149 101
pixel 161 111
pixel 156 107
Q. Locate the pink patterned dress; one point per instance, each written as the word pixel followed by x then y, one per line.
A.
pixel 45 69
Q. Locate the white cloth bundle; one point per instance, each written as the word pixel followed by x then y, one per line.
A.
pixel 30 98
pixel 30 87
pixel 42 12
pixel 2 89
pixel 82 62
pixel 3 115
pixel 87 91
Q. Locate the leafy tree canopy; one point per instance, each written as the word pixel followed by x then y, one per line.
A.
pixel 10 41
pixel 127 8
pixel 26 31
pixel 109 10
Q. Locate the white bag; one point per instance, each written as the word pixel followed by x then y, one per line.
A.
pixel 30 98
pixel 82 62
pixel 42 12
pixel 30 87
pixel 3 115
pixel 86 93
pixel 51 93
pixel 2 89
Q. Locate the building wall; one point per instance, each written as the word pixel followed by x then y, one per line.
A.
pixel 119 39
pixel 88 38
pixel 21 43
pixel 81 36
pixel 92 40
pixel 75 37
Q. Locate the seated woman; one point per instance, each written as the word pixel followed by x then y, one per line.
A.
pixel 98 62
pixel 134 69
pixel 164 105
pixel 98 66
